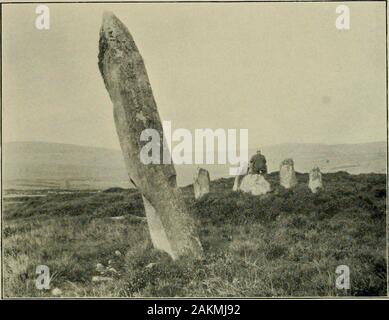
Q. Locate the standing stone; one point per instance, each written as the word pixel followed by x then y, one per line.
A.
pixel 255 184
pixel 287 174
pixel 315 182
pixel 239 177
pixel 122 68
pixel 201 183
pixel 157 231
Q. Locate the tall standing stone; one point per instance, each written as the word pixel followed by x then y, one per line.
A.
pixel 287 174
pixel 315 181
pixel 134 108
pixel 201 183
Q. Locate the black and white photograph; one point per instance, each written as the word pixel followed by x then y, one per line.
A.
pixel 194 150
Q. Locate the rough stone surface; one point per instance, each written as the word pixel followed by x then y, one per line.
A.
pixel 287 174
pixel 201 183
pixel 315 181
pixel 135 110
pixel 255 184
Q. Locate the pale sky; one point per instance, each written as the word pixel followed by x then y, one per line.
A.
pixel 281 70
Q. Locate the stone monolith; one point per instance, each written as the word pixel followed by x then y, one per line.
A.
pixel 287 174
pixel 315 181
pixel 201 183
pixel 122 68
pixel 255 184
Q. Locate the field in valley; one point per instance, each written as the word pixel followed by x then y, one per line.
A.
pixel 287 243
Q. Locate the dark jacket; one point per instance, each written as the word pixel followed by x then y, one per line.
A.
pixel 258 164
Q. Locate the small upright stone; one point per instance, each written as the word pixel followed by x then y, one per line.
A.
pixel 100 267
pixel 315 181
pixel 287 174
pixel 255 184
pixel 101 279
pixel 239 177
pixel 56 292
pixel 201 183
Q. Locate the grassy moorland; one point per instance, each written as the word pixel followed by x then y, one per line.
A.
pixel 285 243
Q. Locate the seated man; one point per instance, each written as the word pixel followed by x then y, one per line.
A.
pixel 257 164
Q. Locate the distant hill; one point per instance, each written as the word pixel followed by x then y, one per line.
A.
pixel 353 158
pixel 35 165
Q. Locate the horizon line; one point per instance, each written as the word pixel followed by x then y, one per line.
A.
pixel 263 146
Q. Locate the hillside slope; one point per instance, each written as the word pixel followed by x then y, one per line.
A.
pixel 287 243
